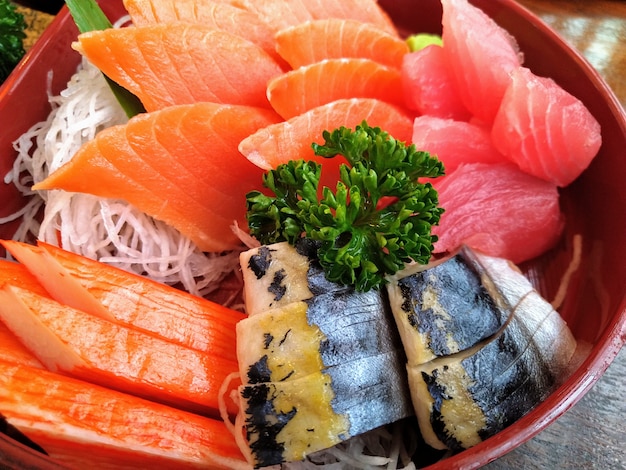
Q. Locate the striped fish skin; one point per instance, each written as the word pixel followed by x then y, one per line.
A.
pixel 323 331
pixel 445 309
pixel 463 398
pixel 287 420
pixel 279 274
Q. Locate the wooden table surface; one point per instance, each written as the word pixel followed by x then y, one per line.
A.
pixel 591 435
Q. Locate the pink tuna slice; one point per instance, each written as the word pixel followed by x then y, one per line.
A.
pixel 545 130
pixel 499 210
pixel 429 86
pixel 481 55
pixel 454 142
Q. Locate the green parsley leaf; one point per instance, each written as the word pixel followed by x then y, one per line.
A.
pixel 378 218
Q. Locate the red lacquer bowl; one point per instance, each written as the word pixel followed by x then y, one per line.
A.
pixel 595 204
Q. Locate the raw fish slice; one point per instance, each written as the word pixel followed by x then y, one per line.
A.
pixel 308 336
pixel 223 16
pixel 454 142
pixel 279 274
pixel 61 414
pixel 280 14
pixel 84 346
pixel 335 38
pixel 445 309
pixel 181 63
pixel 288 420
pixel 292 139
pixel 545 130
pixel 179 165
pixel 462 400
pixel 307 87
pixel 481 54
pixel 429 86
pixel 499 210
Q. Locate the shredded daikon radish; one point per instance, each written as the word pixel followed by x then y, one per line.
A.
pixel 108 230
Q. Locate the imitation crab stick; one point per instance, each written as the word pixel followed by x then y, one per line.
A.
pixel 179 165
pixel 13 351
pixel 88 347
pixel 17 275
pixel 84 425
pixel 132 300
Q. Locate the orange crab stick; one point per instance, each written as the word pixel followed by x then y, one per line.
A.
pixel 87 426
pixel 130 299
pixel 103 352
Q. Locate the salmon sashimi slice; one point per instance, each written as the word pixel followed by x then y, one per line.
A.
pixel 310 86
pixel 179 165
pixel 280 14
pixel 132 300
pixel 223 16
pixel 291 140
pixel 335 38
pixel 105 353
pixel 84 425
pixel 181 63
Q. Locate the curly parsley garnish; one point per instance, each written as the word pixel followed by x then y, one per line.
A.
pixel 378 219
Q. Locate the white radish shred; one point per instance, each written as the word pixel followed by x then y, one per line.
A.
pixel 111 231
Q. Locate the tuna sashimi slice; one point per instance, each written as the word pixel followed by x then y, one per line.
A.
pixel 481 55
pixel 309 86
pixel 223 16
pixel 544 129
pixel 280 14
pixel 499 210
pixel 429 86
pixel 291 140
pixel 87 347
pixel 181 63
pixel 335 38
pixel 454 142
pixel 179 165
pixel 85 425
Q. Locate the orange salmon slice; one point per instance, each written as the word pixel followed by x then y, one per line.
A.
pixel 181 63
pixel 291 140
pixel 307 87
pixel 334 38
pixel 220 15
pixel 179 165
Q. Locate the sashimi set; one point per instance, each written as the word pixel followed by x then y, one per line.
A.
pixel 374 198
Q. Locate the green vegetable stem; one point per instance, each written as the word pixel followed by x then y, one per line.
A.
pixel 12 34
pixel 378 219
pixel 88 16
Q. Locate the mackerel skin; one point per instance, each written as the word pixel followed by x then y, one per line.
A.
pixel 307 336
pixel 446 308
pixel 279 274
pixel 464 398
pixel 286 421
